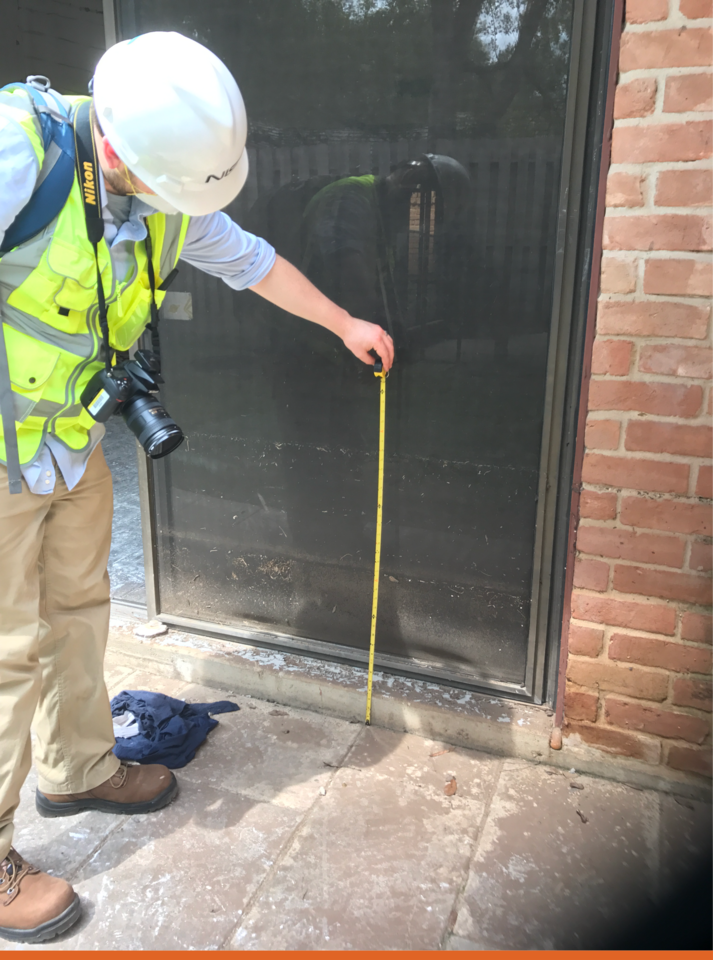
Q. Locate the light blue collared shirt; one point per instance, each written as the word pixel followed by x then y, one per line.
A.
pixel 214 244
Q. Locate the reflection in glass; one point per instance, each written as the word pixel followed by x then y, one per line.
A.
pixel 405 154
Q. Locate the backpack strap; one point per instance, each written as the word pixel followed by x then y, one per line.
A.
pixel 56 175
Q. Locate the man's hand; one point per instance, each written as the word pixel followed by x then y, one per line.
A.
pixel 361 337
pixel 289 289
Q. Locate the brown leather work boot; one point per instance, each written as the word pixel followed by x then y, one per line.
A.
pixel 34 906
pixel 133 789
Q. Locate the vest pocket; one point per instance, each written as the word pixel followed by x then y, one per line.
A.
pixel 31 363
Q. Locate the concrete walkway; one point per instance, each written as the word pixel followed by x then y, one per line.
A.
pixel 294 830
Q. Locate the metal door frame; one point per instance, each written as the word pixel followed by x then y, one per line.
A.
pixel 582 154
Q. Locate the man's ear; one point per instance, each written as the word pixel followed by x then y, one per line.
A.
pixel 109 154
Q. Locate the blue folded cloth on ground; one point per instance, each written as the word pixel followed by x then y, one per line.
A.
pixel 170 730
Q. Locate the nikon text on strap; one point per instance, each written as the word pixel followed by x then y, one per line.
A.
pixel 88 173
pixel 89 183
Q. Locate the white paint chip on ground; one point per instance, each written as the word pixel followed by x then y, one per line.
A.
pixel 154 628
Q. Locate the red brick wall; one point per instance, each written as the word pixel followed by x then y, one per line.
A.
pixel 639 646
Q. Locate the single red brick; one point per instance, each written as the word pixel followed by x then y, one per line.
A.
pixel 645 11
pixel 620 544
pixel 617 276
pixel 579 705
pixel 661 723
pixel 652 617
pixel 616 741
pixel 591 574
pixel 663 584
pixel 670 515
pixel 704 484
pixel 635 99
pixel 624 190
pixel 655 318
pixel 677 361
pixel 602 434
pixel 597 506
pixel 666 654
pixel 685 278
pixel 630 681
pixel 654 49
pixel 701 559
pixel 584 641
pixel 685 441
pixel 697 627
pixel 692 693
pixel 690 760
pixel 683 188
pixel 695 9
pixel 665 399
pixel 661 142
pixel 689 92
pixel 654 476
pixel 611 357
pixel 660 231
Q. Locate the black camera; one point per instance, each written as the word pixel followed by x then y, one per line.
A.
pixel 127 389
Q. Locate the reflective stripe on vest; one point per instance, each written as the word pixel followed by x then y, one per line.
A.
pixel 49 312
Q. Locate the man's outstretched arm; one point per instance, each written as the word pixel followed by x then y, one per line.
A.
pixel 290 290
pixel 216 245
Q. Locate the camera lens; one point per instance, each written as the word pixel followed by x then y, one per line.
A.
pixel 152 425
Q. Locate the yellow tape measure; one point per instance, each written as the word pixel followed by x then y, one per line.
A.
pixel 381 375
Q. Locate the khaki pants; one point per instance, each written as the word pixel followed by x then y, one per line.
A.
pixel 54 622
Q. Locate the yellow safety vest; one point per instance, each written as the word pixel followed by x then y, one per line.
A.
pixel 48 302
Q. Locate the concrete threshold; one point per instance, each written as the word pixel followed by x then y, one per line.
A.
pixel 489 723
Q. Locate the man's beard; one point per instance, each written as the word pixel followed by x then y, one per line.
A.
pixel 118 184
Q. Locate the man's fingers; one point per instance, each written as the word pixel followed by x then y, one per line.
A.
pixel 384 346
pixel 385 349
pixel 370 338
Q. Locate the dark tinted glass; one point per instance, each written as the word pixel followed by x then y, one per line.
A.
pixel 406 156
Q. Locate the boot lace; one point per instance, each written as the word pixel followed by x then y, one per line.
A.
pixel 119 778
pixel 12 871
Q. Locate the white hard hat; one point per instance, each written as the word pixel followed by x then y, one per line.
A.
pixel 173 113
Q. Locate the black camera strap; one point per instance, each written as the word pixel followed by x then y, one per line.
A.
pixel 88 172
pixel 85 153
pixel 153 326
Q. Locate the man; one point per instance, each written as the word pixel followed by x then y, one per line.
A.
pixel 382 247
pixel 169 129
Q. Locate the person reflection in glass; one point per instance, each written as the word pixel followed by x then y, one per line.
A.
pixel 378 246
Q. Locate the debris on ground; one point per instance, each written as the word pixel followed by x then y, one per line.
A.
pixel 279 713
pixel 582 817
pixel 439 753
pixel 450 787
pixel 153 628
pixel 576 786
